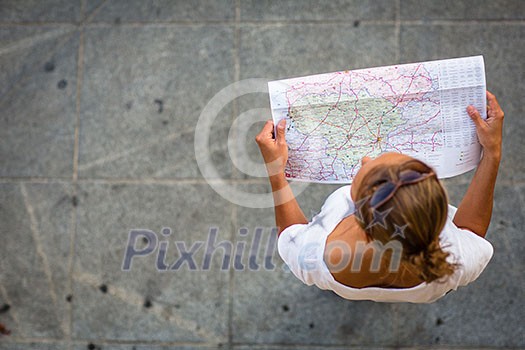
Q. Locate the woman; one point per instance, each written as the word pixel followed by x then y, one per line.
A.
pixel 391 236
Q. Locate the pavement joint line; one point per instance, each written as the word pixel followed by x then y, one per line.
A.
pixel 374 347
pixel 80 68
pixel 233 22
pixel 35 232
pixel 235 171
pixel 140 181
pixel 99 341
pixel 236 77
pixel 12 312
pixel 168 181
pixel 73 217
pixel 82 8
pixel 164 171
pixel 397 31
pixel 70 265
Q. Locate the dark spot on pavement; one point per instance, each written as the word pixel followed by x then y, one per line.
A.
pixel 74 201
pixel 91 346
pixel 69 298
pixel 145 240
pixel 62 84
pixel 5 308
pixel 49 67
pixel 439 322
pixel 103 288
pixel 356 24
pixel 147 304
pixel 164 122
pixel 4 330
pixel 311 325
pixel 436 340
pixel 160 105
pixel 117 187
pixel 286 308
pixel 177 306
pixel 129 105
pixel 117 20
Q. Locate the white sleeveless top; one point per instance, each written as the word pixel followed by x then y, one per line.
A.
pixel 302 247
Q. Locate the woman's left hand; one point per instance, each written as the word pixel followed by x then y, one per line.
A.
pixel 274 151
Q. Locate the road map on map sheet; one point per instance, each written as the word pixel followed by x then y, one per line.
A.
pixel 418 109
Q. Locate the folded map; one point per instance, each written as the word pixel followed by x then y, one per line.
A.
pixel 418 109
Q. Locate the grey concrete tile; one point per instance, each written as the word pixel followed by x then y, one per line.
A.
pixel 272 306
pixel 281 51
pixel 165 10
pixel 470 9
pixel 310 198
pixel 505 231
pixel 456 192
pixel 37 100
pixel 34 257
pixel 487 312
pixel 508 219
pixel 253 112
pixel 313 198
pixel 32 346
pixel 459 179
pixel 503 48
pixel 187 304
pixel 271 10
pixel 142 95
pixel 40 11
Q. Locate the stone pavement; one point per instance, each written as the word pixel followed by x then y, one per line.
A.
pixel 99 103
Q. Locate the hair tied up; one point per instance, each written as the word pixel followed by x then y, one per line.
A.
pixel 430 263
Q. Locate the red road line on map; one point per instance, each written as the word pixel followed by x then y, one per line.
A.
pixel 326 116
pixel 356 110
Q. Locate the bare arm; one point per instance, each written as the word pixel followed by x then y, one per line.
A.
pixel 475 210
pixel 275 154
pixel 287 210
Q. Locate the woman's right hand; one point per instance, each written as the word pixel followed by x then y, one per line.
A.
pixel 490 130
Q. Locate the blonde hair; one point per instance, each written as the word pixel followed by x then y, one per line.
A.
pixel 418 211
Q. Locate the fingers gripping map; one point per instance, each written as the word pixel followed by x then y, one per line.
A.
pixel 418 109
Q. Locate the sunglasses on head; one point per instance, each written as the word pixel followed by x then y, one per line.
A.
pixel 386 190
